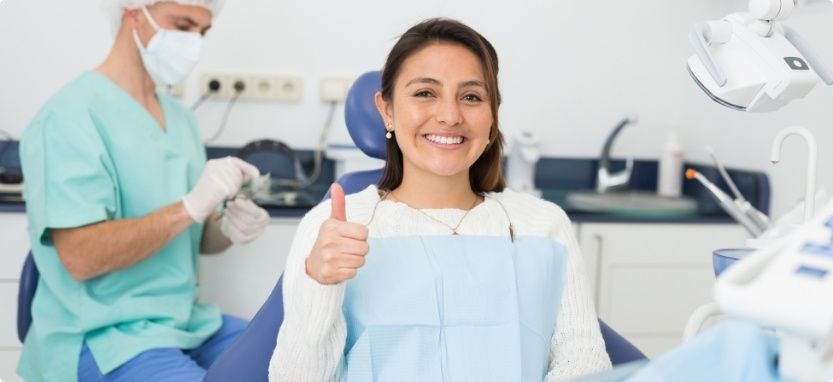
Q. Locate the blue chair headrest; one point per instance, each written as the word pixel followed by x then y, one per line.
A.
pixel 364 123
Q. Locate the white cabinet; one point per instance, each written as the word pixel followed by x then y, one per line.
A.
pixel 648 278
pixel 14 244
pixel 8 320
pixel 8 365
pixel 241 279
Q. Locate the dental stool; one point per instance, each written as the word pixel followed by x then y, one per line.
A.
pixel 248 358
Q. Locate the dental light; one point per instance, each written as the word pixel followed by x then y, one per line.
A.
pixel 751 61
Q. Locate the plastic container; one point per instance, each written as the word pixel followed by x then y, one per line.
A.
pixel 670 176
pixel 524 154
pixel 724 258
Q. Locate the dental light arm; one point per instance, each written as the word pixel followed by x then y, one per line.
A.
pixel 771 10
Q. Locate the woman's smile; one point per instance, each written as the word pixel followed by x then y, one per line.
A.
pixel 446 142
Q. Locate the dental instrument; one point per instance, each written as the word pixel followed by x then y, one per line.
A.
pixel 759 218
pixel 724 174
pixel 255 188
pixel 750 61
pixel 812 149
pixel 726 202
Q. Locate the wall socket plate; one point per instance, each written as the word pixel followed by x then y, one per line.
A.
pixel 255 86
pixel 334 89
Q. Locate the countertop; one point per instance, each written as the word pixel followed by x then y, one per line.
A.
pixel 556 177
pixel 15 204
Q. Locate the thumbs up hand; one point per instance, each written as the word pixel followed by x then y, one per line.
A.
pixel 341 246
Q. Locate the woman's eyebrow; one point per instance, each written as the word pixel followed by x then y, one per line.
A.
pixel 465 84
pixel 424 80
pixel 433 81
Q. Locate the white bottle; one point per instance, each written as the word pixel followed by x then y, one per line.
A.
pixel 670 176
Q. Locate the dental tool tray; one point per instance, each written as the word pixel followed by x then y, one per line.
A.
pixel 287 198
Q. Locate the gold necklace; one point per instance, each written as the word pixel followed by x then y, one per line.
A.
pixel 453 229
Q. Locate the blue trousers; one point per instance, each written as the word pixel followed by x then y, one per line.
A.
pixel 169 364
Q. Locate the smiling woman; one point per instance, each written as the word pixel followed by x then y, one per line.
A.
pixel 439 274
pixel 448 107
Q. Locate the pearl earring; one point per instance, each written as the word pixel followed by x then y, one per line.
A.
pixel 389 128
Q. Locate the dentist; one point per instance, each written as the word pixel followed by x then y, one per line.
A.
pixel 120 200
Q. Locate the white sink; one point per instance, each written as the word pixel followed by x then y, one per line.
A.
pixel 633 203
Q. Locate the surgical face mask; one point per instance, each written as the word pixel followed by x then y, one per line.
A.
pixel 170 54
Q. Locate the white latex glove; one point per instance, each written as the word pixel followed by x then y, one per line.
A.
pixel 220 180
pixel 243 221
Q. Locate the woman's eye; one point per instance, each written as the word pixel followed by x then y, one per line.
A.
pixel 423 93
pixel 472 98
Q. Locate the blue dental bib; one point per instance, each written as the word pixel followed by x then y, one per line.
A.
pixel 453 308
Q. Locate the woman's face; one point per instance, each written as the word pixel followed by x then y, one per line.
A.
pixel 440 111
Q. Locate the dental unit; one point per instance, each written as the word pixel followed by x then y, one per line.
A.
pixel 787 286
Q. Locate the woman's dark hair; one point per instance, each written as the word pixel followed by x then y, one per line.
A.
pixel 486 174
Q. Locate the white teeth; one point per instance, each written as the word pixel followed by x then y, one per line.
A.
pixel 444 140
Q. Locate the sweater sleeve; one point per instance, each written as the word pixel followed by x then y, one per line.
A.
pixel 577 347
pixel 310 343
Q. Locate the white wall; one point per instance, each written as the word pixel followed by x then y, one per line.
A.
pixel 569 70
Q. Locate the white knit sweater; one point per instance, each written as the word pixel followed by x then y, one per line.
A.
pixel 311 341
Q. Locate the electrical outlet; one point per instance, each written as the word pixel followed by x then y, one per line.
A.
pixel 334 89
pixel 287 88
pixel 206 84
pixel 255 87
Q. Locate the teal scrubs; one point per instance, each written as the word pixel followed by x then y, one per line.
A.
pixel 94 154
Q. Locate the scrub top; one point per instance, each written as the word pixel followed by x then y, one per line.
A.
pixel 94 154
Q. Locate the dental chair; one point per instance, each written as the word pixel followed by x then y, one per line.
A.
pixel 29 277
pixel 248 358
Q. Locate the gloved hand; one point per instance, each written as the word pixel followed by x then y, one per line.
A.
pixel 221 180
pixel 243 221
